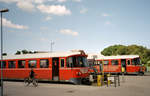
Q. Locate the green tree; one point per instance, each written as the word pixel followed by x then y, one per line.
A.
pixel 4 54
pixel 18 53
pixel 25 52
pixel 143 52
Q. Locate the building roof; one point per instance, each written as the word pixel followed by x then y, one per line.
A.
pixel 42 55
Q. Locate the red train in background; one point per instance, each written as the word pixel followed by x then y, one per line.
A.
pixel 61 66
pixel 128 64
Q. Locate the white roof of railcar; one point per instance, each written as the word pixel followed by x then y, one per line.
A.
pixel 41 55
pixel 93 55
pixel 118 57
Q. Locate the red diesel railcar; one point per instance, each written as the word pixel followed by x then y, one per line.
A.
pixel 61 66
pixel 128 64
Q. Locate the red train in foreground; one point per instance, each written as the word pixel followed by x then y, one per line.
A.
pixel 61 66
pixel 128 64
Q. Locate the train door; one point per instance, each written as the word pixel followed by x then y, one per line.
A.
pixel 123 65
pixel 55 69
pixel 129 67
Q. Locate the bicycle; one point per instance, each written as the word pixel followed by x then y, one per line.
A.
pixel 29 80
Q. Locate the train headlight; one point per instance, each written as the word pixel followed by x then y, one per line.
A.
pixel 78 73
pixel 84 71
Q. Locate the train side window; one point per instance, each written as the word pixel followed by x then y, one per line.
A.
pixel 11 64
pixel 62 61
pixel 69 62
pixel 106 62
pixel 44 63
pixel 32 63
pixel 114 62
pixel 95 62
pixel 100 62
pixel 21 63
pixel 133 63
pixel 128 62
pixel 3 64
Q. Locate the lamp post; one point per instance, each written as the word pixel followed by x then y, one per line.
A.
pixel 52 43
pixel 2 11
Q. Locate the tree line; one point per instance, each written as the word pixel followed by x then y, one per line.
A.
pixel 22 52
pixel 143 52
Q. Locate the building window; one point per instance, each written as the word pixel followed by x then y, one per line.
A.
pixel 3 64
pixel 32 63
pixel 21 63
pixel 114 62
pixel 62 61
pixel 44 63
pixel 11 64
pixel 106 62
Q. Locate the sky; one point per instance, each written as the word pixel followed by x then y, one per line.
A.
pixel 89 25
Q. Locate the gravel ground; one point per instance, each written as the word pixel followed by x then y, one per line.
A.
pixel 133 86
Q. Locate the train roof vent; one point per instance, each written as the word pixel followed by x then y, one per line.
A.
pixel 81 51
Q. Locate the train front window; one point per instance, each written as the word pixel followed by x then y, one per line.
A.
pixel 69 62
pixel 85 62
pixel 82 61
pixel 136 61
pixel 77 61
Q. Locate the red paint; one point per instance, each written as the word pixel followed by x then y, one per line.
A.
pixel 130 68
pixel 65 73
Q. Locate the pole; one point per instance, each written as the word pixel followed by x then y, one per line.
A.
pixel 1 57
pixel 1 11
pixel 52 46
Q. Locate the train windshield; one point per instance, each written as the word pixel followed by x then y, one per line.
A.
pixel 77 61
pixel 136 61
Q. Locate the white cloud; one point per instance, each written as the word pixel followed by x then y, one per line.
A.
pixel 8 1
pixel 54 9
pixel 84 10
pixel 61 1
pixel 31 5
pixel 9 24
pixel 26 6
pixel 76 0
pixel 16 1
pixel 44 28
pixel 44 39
pixel 105 15
pixel 69 32
pixel 39 1
pixel 48 18
pixel 107 23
